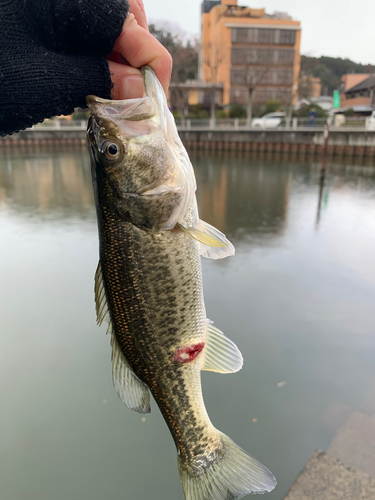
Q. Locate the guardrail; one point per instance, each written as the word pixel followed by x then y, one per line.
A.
pixel 293 124
pixel 360 123
pixel 61 124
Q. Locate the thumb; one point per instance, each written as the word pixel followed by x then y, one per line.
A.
pixel 127 81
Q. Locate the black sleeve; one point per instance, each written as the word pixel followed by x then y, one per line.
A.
pixel 52 55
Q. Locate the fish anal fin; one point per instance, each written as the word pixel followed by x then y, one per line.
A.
pixel 102 310
pixel 220 353
pixel 131 390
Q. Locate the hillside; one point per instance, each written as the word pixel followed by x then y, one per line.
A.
pixel 330 69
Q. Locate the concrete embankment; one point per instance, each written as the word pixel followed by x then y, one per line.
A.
pixel 347 471
pixel 358 143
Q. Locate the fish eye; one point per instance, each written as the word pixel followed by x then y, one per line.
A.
pixel 111 150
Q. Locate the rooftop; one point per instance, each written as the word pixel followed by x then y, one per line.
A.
pixel 366 84
pixel 234 10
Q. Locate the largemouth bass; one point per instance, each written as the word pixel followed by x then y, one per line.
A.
pixel 148 287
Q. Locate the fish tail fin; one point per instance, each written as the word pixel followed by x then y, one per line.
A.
pixel 232 475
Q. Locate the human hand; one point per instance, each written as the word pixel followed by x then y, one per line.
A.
pixel 138 48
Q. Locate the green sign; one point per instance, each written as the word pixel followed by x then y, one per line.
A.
pixel 336 99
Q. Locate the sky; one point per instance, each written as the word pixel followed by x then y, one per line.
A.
pixel 334 28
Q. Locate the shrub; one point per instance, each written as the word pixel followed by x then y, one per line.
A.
pixel 304 111
pixel 237 111
pixel 349 112
pixel 273 105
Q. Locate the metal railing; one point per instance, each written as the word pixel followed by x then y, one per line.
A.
pixel 229 124
pixel 61 124
pixel 293 123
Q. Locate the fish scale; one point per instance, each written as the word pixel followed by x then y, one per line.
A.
pixel 138 314
pixel 148 287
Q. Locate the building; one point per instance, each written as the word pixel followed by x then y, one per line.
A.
pixel 309 86
pixel 357 90
pixel 242 47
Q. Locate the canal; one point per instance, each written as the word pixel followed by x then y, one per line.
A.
pixel 297 298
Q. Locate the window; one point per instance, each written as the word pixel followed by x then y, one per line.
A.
pixel 239 35
pixel 285 56
pixel 284 76
pixel 266 56
pixel 266 36
pixel 287 37
pixel 237 77
pixel 244 56
pixel 238 96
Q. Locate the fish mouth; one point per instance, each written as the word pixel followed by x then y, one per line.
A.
pixel 142 108
pixel 159 190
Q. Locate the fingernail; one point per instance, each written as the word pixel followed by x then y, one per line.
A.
pixel 133 87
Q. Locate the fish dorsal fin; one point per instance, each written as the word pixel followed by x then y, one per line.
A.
pixel 130 389
pixel 220 354
pixel 102 311
pixel 213 243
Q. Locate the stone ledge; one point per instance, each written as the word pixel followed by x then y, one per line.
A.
pixel 327 478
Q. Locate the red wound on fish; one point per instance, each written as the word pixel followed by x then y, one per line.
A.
pixel 189 353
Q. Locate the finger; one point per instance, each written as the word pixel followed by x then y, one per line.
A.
pixel 140 48
pixel 138 9
pixel 127 81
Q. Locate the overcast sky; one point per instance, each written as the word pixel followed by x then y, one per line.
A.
pixel 334 28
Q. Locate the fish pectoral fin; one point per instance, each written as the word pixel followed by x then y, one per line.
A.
pixel 130 389
pixel 213 243
pixel 102 310
pixel 220 353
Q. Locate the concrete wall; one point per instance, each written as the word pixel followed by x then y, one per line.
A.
pixel 352 142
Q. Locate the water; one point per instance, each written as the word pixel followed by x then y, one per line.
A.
pixel 298 299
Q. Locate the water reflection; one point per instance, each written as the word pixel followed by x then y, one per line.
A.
pixel 46 184
pixel 243 197
pixel 298 301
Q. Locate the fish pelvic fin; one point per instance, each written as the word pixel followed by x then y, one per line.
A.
pixel 213 243
pixel 232 475
pixel 130 389
pixel 220 353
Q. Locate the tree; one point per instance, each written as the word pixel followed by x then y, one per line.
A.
pixel 237 111
pixel 330 70
pixel 213 60
pixel 185 63
pixel 253 78
pixel 184 54
pixel 304 111
pixel 273 105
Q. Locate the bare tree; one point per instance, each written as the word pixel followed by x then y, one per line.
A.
pixel 213 60
pixel 302 87
pixel 253 78
pixel 185 61
pixel 179 98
